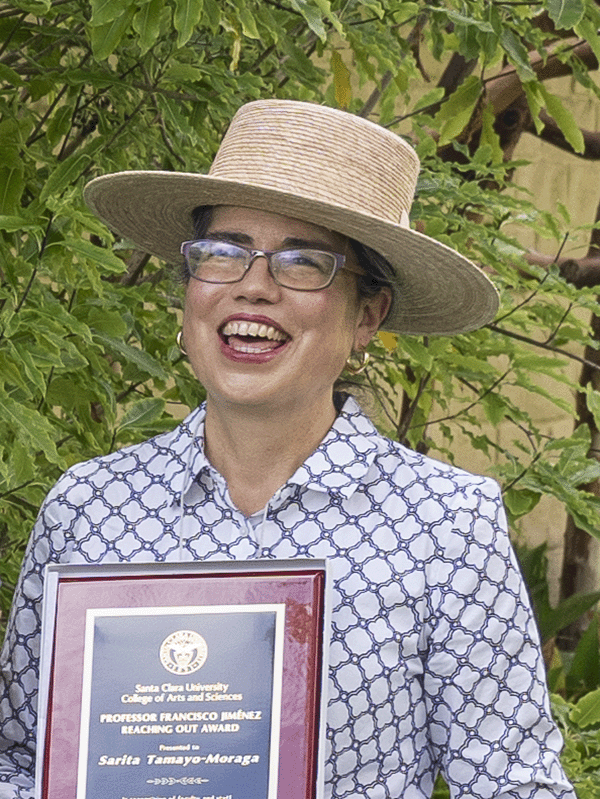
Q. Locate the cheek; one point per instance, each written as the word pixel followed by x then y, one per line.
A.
pixel 199 298
pixel 338 330
pixel 332 318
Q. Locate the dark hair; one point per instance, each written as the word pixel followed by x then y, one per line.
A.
pixel 379 273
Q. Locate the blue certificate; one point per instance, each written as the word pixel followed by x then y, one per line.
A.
pixel 181 702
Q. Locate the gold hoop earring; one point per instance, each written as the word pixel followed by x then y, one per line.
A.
pixel 179 340
pixel 357 362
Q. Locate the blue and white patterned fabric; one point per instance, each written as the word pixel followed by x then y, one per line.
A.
pixel 435 661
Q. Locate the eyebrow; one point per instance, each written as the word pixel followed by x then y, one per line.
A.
pixel 236 237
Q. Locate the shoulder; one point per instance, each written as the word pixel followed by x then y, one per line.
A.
pixel 406 485
pixel 457 517
pixel 415 492
pixel 404 467
pixel 158 459
pixel 407 467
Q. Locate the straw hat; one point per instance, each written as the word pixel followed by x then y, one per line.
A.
pixel 323 166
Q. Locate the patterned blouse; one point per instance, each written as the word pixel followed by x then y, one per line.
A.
pixel 434 659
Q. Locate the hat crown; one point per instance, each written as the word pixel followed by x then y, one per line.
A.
pixel 321 154
pixel 322 166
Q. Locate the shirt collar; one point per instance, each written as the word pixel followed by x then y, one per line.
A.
pixel 187 447
pixel 344 456
pixel 336 466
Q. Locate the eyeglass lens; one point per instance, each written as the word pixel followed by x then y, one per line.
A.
pixel 223 262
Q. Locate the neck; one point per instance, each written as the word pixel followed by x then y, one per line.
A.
pixel 257 452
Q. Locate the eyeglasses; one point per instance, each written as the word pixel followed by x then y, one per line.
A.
pixel 302 269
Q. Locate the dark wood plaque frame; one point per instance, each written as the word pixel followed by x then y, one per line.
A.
pixel 73 590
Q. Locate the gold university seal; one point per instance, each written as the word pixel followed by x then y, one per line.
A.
pixel 183 652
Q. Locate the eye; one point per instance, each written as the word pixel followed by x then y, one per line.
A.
pixel 307 260
pixel 222 250
pixel 216 261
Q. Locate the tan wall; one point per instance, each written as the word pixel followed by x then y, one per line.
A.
pixel 551 176
pixel 555 175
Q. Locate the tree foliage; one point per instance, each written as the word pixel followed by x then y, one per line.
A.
pixel 88 360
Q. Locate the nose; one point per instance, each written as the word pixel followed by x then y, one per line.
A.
pixel 258 284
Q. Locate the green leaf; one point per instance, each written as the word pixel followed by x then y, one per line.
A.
pixel 432 97
pixel 10 145
pixel 456 112
pixel 142 360
pixel 489 136
pixel 22 465
pixel 587 711
pixel 518 54
pixel 377 8
pixel 211 15
pixel 106 38
pixel 40 85
pixel 329 13
pixel 142 414
pixel 520 502
pixel 186 73
pixel 32 429
pixel 565 14
pixel 146 23
pixel 186 18
pixel 248 23
pixel 8 75
pixel 105 11
pixel 592 398
pixel 104 258
pixel 59 123
pixel 468 42
pixel 341 80
pixel 65 175
pixel 101 80
pixel 66 393
pixel 110 322
pixel 418 352
pixel 35 377
pixel 535 102
pixel 34 6
pixel 13 223
pixel 564 119
pixel 568 612
pixel 468 22
pixel 588 31
pixel 584 673
pixel 12 186
pixel 312 16
pixel 495 408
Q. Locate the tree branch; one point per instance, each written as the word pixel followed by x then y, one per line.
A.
pixel 457 69
pixel 579 272
pixel 552 134
pixel 413 41
pixel 503 89
pixel 542 345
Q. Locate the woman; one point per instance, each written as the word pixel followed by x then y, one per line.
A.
pixel 301 251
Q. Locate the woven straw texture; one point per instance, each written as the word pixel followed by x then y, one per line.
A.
pixel 326 167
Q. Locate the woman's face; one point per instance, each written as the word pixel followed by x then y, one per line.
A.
pixel 292 345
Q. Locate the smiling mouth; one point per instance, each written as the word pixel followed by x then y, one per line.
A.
pixel 252 337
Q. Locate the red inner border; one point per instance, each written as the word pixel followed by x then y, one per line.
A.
pixel 302 592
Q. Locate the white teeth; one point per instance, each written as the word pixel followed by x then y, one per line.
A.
pixel 253 329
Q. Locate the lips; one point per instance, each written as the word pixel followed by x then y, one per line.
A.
pixel 252 336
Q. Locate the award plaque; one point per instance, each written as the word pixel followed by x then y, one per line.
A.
pixel 183 681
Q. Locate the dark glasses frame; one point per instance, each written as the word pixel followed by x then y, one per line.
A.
pixel 339 262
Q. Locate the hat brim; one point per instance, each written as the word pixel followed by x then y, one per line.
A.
pixel 437 290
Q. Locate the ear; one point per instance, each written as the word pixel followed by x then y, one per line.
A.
pixel 372 312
